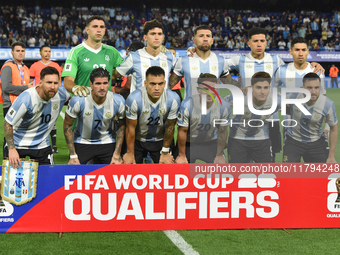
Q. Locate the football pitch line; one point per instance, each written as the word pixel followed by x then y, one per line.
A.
pixel 181 244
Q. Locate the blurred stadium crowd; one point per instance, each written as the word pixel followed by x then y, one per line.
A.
pixel 65 28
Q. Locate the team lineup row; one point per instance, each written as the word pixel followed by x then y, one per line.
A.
pixel 152 110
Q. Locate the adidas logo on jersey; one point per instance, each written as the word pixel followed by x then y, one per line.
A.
pixel 86 59
pixel 194 68
pixel 87 113
pixel 249 66
pixel 196 119
pixel 145 112
pixel 162 111
pixel 145 65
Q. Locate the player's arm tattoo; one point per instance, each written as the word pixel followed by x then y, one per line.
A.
pixel 228 80
pixel 169 132
pixel 120 136
pixel 9 135
pixel 222 137
pixel 68 133
pixel 173 80
pixel 131 135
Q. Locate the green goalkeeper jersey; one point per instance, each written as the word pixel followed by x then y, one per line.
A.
pixel 82 60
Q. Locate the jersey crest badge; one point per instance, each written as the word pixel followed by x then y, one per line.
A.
pixel 108 115
pixel 107 58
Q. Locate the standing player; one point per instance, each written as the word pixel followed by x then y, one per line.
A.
pixel 87 56
pixel 30 119
pixel 35 69
pixel 203 61
pixel 290 75
pixel 151 113
pixel 249 135
pixel 198 138
pixel 306 139
pixel 138 62
pixel 93 136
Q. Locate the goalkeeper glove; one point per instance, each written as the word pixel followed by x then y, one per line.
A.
pixel 78 90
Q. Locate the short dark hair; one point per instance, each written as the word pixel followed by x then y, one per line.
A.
pixel 99 73
pixel 155 71
pixel 18 44
pixel 260 76
pixel 298 40
pixel 206 77
pixel 256 31
pixel 151 25
pixel 47 71
pixel 202 27
pixel 89 20
pixel 310 77
pixel 134 46
pixel 44 46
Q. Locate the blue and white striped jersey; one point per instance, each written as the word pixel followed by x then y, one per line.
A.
pixel 136 63
pixel 247 66
pixel 309 127
pixel 192 67
pixel 151 116
pixel 250 126
pixel 201 127
pixel 95 122
pixel 33 118
pixel 290 77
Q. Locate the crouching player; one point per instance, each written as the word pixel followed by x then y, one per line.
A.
pixel 306 139
pixel 198 136
pixel 249 134
pixel 151 113
pixel 92 137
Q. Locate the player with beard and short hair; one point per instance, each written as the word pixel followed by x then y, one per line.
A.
pixel 30 119
pixel 306 139
pixel 202 61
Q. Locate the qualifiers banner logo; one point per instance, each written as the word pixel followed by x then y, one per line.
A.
pixel 130 198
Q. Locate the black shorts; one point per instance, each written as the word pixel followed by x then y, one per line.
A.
pixel 275 136
pixel 42 156
pixel 142 149
pixel 241 151
pixel 203 151
pixel 316 152
pixel 100 153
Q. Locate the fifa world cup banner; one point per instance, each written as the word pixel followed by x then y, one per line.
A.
pixel 178 197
